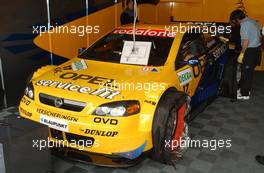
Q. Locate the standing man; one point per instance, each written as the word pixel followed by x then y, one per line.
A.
pixel 127 15
pixel 250 55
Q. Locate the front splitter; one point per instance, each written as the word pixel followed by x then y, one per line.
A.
pixel 96 159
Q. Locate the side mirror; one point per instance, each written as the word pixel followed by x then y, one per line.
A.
pixel 193 61
pixel 80 50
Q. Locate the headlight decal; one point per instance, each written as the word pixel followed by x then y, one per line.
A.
pixel 118 108
pixel 29 91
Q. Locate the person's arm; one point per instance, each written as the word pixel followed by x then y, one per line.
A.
pixel 244 40
pixel 245 44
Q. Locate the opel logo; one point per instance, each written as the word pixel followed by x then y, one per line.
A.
pixel 58 102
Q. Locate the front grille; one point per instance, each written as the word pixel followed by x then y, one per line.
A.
pixel 79 140
pixel 66 103
pixel 56 134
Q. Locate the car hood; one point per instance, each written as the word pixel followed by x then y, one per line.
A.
pixel 100 82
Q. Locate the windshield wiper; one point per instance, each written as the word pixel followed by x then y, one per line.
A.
pixel 154 46
pixel 118 52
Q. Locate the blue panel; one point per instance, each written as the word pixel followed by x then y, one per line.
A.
pixel 19 36
pixel 202 94
pixel 39 55
pixel 210 81
pixel 20 48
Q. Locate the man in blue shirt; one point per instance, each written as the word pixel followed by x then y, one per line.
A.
pixel 250 55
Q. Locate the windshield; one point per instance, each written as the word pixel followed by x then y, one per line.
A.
pixel 109 48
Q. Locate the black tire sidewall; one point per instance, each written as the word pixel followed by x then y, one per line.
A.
pixel 162 127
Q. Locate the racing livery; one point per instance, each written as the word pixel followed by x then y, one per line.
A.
pixel 86 101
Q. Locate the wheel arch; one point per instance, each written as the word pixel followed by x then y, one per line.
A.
pixel 42 70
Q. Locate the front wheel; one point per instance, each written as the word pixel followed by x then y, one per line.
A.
pixel 170 131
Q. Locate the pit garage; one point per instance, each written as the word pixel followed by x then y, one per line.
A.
pixel 131 86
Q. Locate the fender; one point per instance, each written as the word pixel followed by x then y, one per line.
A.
pixel 148 108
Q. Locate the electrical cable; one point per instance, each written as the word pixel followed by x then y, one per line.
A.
pixel 49 24
pixel 3 82
pixel 87 7
pixel 134 25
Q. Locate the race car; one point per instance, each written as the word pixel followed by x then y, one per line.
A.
pixel 93 114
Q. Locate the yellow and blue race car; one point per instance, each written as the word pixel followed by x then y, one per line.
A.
pixel 120 100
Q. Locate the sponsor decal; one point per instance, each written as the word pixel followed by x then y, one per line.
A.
pixel 109 83
pixel 100 133
pixel 151 69
pixel 198 68
pixel 146 68
pixel 56 115
pixel 150 102
pixel 23 111
pixel 90 79
pixel 154 70
pixel 218 52
pixel 105 121
pixel 54 123
pixel 25 101
pixel 79 65
pixel 147 32
pixel 61 69
pixel 185 76
pixel 101 92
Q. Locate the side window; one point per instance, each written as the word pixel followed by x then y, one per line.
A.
pixel 192 46
pixel 210 41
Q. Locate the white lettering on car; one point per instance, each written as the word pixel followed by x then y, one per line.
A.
pixel 101 92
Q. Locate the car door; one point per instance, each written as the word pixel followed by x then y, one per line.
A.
pixel 212 68
pixel 189 63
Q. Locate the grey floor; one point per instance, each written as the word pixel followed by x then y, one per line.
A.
pixel 241 121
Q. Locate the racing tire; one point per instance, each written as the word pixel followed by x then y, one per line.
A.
pixel 169 127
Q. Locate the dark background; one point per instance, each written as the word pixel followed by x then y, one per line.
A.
pixel 19 55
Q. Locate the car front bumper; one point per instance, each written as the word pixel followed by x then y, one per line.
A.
pixel 122 136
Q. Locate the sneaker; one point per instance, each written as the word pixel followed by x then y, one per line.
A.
pixel 260 159
pixel 240 97
pixel 239 93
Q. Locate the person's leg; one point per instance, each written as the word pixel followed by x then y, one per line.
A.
pixel 247 79
pixel 244 80
pixel 247 70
